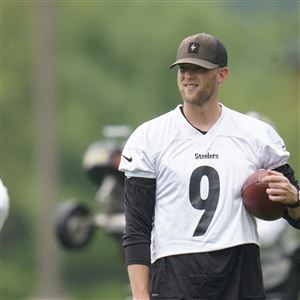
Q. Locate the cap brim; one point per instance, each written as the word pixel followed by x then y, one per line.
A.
pixel 195 61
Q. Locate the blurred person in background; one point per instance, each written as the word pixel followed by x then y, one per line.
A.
pixel 4 204
pixel 184 173
pixel 280 259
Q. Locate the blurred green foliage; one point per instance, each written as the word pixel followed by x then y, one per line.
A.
pixel 112 68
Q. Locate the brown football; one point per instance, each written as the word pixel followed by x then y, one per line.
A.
pixel 256 199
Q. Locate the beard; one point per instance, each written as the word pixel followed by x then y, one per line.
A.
pixel 201 96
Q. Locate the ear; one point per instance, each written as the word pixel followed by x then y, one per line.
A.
pixel 222 75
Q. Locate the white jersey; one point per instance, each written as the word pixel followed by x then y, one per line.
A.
pixel 199 178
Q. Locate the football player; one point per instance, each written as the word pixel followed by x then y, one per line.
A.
pixel 184 173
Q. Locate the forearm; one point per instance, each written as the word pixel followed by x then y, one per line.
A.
pixel 139 281
pixel 293 209
pixel 294 213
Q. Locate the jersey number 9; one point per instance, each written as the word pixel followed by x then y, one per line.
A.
pixel 208 204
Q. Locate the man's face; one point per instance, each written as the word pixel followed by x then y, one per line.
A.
pixel 196 84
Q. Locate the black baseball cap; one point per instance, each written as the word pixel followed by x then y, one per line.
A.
pixel 203 50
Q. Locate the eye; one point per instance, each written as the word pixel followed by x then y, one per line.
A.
pixel 182 69
pixel 201 69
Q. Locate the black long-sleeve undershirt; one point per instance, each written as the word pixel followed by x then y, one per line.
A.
pixel 139 213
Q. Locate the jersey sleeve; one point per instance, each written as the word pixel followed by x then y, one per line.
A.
pixel 137 159
pixel 273 152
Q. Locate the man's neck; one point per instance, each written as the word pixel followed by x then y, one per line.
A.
pixel 202 117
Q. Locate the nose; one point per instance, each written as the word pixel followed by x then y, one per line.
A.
pixel 190 73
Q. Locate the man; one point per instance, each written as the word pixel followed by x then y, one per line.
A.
pixel 184 173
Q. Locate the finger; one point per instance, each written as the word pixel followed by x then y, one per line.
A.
pixel 274 178
pixel 276 194
pixel 277 198
pixel 278 185
pixel 272 172
pixel 275 191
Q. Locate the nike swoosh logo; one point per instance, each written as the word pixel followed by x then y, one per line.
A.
pixel 127 158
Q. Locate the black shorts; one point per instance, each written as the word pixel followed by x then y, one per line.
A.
pixel 229 274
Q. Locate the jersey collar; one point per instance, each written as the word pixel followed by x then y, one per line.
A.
pixel 189 131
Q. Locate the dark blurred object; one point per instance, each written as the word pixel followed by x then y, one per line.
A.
pixel 74 223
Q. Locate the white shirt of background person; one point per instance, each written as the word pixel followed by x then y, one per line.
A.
pixel 4 204
pixel 278 241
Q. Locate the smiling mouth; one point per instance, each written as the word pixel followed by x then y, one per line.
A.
pixel 190 86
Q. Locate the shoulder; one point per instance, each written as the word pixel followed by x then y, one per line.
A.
pixel 250 127
pixel 154 130
pixel 144 144
pixel 245 121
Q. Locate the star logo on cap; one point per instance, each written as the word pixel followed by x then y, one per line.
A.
pixel 193 48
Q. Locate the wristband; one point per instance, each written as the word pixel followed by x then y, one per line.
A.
pixel 297 204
